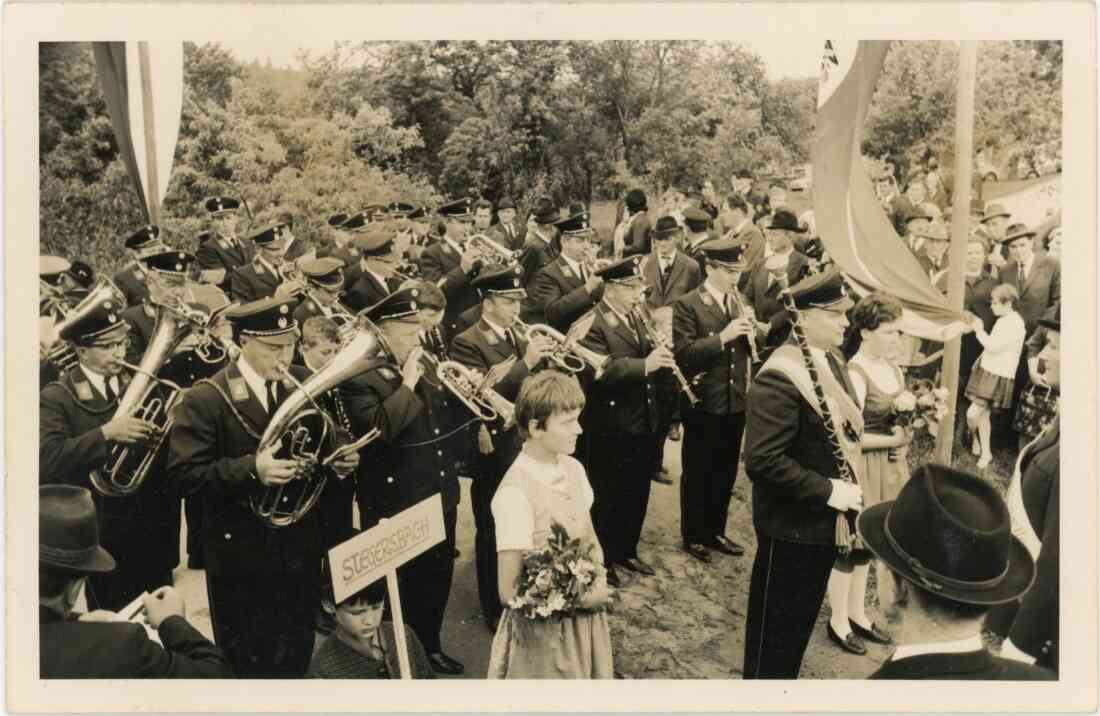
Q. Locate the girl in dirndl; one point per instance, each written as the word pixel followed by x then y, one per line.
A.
pixel 991 381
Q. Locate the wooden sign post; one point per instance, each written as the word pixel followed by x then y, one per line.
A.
pixel 380 551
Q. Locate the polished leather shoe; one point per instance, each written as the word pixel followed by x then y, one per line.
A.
pixel 443 664
pixel 727 546
pixel 873 634
pixel 697 551
pixel 636 565
pixel 851 643
pixel 663 478
pixel 613 578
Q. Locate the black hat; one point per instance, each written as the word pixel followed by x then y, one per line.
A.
pixel 222 205
pixel 506 203
pixel 784 220
pixel 992 211
pixel 728 252
pixel 574 225
pixel 169 262
pixel 357 222
pixel 417 213
pixel 269 318
pixel 147 237
pixel 635 200
pixel 325 272
pixel 402 304
pixel 822 290
pixel 504 281
pixel 375 239
pixel 949 532
pixel 52 268
pixel 68 532
pixel 696 220
pixel 270 234
pixel 1016 231
pixel 743 174
pixel 627 270
pixel 458 210
pixel 100 324
pixel 665 228
pixel 545 210
pixel 337 220
pixel 82 273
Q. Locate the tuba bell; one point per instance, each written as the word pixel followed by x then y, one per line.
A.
pixel 309 434
pixel 151 399
pixel 60 353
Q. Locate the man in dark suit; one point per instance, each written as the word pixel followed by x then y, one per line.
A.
pixel 266 274
pixel 509 232
pixel 339 247
pixel 567 288
pixel 949 535
pixel 540 249
pixel 95 646
pixel 220 252
pixel 711 337
pixel 409 462
pixel 797 486
pixel 78 432
pixel 448 264
pixel 896 206
pixel 260 581
pixel 378 253
pixel 1037 277
pixel 489 341
pixel 761 291
pixel 131 278
pixel 620 417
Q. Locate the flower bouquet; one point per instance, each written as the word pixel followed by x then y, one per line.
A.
pixel 920 409
pixel 554 579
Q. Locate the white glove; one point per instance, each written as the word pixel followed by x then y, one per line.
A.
pixel 1011 651
pixel 845 496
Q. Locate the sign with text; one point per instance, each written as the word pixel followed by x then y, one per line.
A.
pixel 383 548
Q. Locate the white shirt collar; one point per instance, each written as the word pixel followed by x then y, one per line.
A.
pixel 538 233
pixel 664 263
pixel 959 646
pixel 377 277
pixel 99 380
pixel 1026 266
pixel 496 329
pixel 575 265
pixel 255 382
pixel 715 293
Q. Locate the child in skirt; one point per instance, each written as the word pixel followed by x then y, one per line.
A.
pixel 545 485
pixel 991 381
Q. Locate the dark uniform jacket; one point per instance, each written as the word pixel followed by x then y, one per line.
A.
pixel 72 649
pixel 441 264
pixel 368 290
pixel 766 300
pixel 213 449
pixel 684 275
pixel 536 254
pixel 352 266
pixel 559 294
pixel 623 399
pixel 718 373
pixel 182 368
pixel 217 252
pixel 789 460
pixel 253 281
pixel 1041 290
pixel 511 235
pixel 410 461
pixel 967 666
pixel 131 281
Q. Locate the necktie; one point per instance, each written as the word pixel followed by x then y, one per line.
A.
pixel 109 390
pixel 729 305
pixel 511 232
pixel 666 269
pixel 272 395
pixel 508 336
pixel 1023 275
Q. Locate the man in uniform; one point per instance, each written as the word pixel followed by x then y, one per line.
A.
pixel 408 463
pixel 567 288
pixel 621 417
pixel 377 255
pixel 325 284
pixel 448 264
pixel 264 276
pixel 509 232
pixel 797 487
pixel 79 429
pixel 220 252
pixel 711 337
pixel 261 582
pixel 339 247
pixel 131 278
pixel 761 290
pixel 490 341
pixel 418 222
pixel 541 247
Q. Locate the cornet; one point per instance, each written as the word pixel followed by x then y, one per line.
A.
pixel 568 355
pixel 489 252
pixel 473 390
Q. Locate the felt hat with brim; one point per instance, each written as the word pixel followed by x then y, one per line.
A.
pixel 271 320
pixel 784 220
pixel 666 227
pixel 68 532
pixel 545 211
pixel 933 231
pixel 993 211
pixel 1016 231
pixel 949 533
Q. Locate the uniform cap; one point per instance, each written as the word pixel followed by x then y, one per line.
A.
pixel 503 281
pixel 402 304
pixel 327 272
pixel 271 319
pixel 460 209
pixel 375 239
pixel 271 234
pixel 169 262
pixel 823 290
pixel 627 270
pixel 101 324
pixel 144 238
pixel 52 267
pixel 696 220
pixel 728 252
pixel 222 205
pixel 574 224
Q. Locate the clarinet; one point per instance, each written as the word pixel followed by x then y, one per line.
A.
pixel 660 341
pixel 847 538
pixel 751 315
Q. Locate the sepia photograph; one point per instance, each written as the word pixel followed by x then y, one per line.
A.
pixel 693 359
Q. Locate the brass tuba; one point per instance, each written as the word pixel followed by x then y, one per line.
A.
pixel 307 433
pixel 127 466
pixel 569 355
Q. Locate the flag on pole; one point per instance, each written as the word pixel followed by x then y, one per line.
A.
pixel 142 84
pixel 851 222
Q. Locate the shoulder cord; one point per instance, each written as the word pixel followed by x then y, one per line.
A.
pixel 80 402
pixel 441 437
pixel 232 408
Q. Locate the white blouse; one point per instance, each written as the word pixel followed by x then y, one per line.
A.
pixel 1003 346
pixel 513 513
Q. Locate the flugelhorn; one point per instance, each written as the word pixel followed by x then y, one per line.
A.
pixel 308 434
pixel 476 392
pixel 490 252
pixel 568 355
pixel 659 340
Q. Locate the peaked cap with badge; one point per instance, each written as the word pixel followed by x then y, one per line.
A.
pixel 505 281
pixel 823 290
pixel 338 219
pixel 626 270
pixel 219 205
pixel 458 210
pixel 696 220
pixel 100 324
pixel 176 263
pixel 576 224
pixel 326 272
pixel 375 239
pixel 144 240
pixel 272 233
pixel 401 305
pixel 269 319
pixel 728 252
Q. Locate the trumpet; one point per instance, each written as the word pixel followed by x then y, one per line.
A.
pixel 475 391
pixel 568 354
pixel 489 252
pixel 660 340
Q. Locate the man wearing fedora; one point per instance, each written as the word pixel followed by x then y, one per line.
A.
pixel 508 232
pixel 95 646
pixel 762 290
pixel 949 535
pixel 541 247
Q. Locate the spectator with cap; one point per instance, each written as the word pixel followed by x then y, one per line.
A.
pixel 266 275
pixel 130 279
pixel 541 247
pixel 220 251
pixel 932 254
pixel 509 232
pixel 98 645
pixel 568 287
pixel 948 534
pixel 995 221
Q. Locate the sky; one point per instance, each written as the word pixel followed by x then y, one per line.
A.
pixel 783 59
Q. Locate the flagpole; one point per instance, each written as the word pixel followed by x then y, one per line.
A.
pixel 152 192
pixel 960 230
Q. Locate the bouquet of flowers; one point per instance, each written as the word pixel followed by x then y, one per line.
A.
pixel 921 406
pixel 556 577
